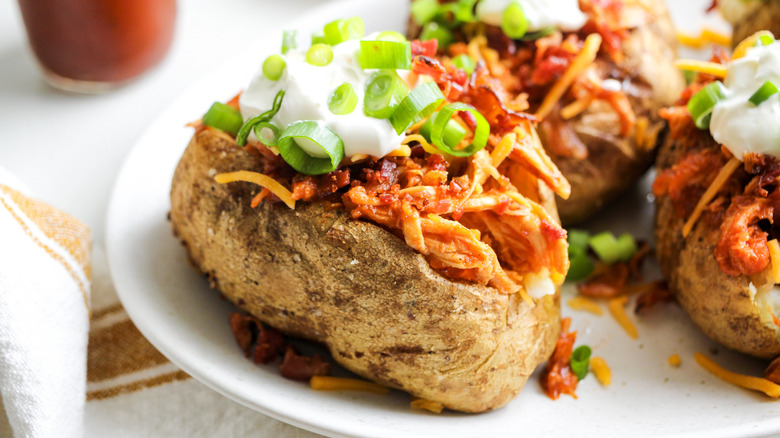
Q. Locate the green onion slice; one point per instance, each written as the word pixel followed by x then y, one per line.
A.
pixel 626 246
pixel 606 247
pixel 580 359
pixel 689 76
pixel 701 104
pixel 223 117
pixel 464 62
pixel 763 40
pixel 343 100
pixel 453 131
pixel 481 133
pixel 417 105
pixel 288 40
pixel 580 266
pixel 338 31
pixel 273 67
pixel 396 55
pixel 310 147
pixel 763 93
pixel 464 11
pixel 433 31
pixel 391 35
pixel 423 11
pixel 384 91
pixel 250 124
pixel 319 55
pixel 514 22
pixel 267 133
pixel 317 38
pixel 578 240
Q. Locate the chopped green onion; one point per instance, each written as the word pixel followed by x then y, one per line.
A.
pixel 763 93
pixel 338 31
pixel 689 76
pixel 394 55
pixel 310 147
pixel 606 247
pixel 763 40
pixel 481 132
pixel 273 67
pixel 464 11
pixel 514 22
pixel 580 359
pixel 391 35
pixel 384 91
pixel 578 240
pixel 343 100
pixel 580 266
pixel 223 117
pixel 701 104
pixel 453 132
pixel 464 62
pixel 288 40
pixel 433 31
pixel 250 124
pixel 418 104
pixel 423 11
pixel 319 55
pixel 263 129
pixel 626 246
pixel 541 33
pixel 317 38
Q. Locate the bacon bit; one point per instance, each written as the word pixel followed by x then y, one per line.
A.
pixel 425 48
pixel 635 264
pixel 656 292
pixel 686 181
pixel 558 377
pixel 250 332
pixel 772 372
pixel 607 281
pixel 303 368
pixel 233 103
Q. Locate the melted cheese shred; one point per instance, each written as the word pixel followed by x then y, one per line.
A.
pixel 774 254
pixel 601 370
pixel 265 181
pixel 427 405
pixel 586 304
pixel 712 68
pixel 579 64
pixel 617 309
pixel 712 190
pixel 748 382
pixel 327 383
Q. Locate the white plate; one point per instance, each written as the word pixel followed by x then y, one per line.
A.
pixel 175 309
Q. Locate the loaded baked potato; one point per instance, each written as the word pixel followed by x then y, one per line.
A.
pixel 594 73
pixel 750 16
pixel 717 202
pixel 432 273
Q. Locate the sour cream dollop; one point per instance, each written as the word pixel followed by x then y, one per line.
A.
pixel 307 90
pixel 738 124
pixel 562 14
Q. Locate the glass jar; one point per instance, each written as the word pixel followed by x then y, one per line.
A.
pixel 92 46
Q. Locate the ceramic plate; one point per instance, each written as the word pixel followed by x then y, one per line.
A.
pixel 174 308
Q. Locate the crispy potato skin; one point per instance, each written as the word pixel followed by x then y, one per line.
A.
pixel 754 18
pixel 361 291
pixel 615 163
pixel 718 303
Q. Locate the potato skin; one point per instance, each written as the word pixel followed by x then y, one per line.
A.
pixel 749 18
pixel 718 303
pixel 358 289
pixel 615 163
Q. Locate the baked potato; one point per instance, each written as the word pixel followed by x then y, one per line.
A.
pixel 436 277
pixel 750 16
pixel 715 222
pixel 603 131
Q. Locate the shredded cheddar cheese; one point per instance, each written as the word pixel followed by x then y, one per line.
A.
pixel 694 41
pixel 327 383
pixel 503 149
pixel 269 183
pixel 748 43
pixel 712 190
pixel 427 405
pixel 579 64
pixel 403 151
pixel 618 311
pixel 601 370
pixel 586 304
pixel 748 382
pixel 576 108
pixel 774 254
pixel 712 68
pixel 640 133
pixel 674 360
pixel 715 37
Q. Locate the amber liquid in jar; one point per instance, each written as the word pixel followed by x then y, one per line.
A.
pixel 94 45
